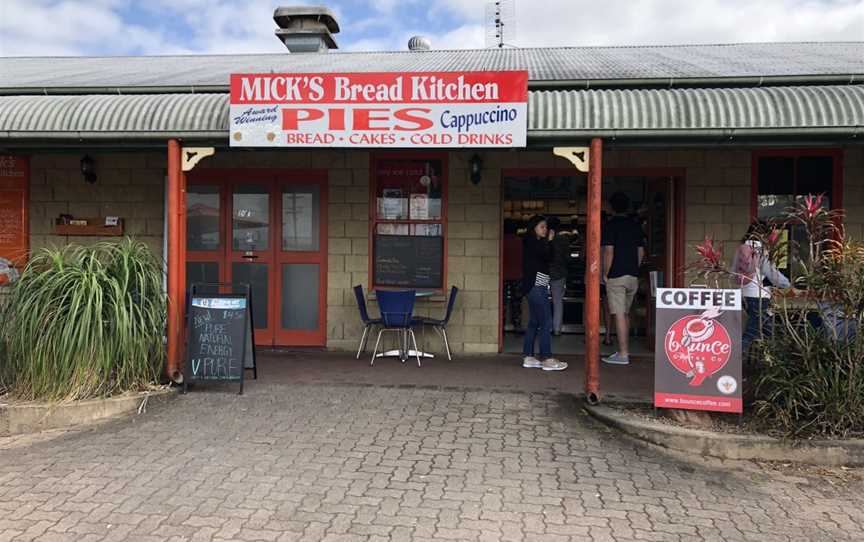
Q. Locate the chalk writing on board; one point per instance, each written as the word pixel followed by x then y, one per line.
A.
pixel 216 338
pixel 415 261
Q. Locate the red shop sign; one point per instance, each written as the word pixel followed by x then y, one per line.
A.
pixel 383 110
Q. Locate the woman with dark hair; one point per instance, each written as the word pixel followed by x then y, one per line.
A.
pixel 752 265
pixel 536 257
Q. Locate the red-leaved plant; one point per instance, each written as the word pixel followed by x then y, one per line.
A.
pixel 710 267
pixel 808 375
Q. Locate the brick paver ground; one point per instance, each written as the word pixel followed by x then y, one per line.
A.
pixel 327 462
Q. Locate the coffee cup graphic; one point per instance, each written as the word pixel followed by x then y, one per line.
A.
pixel 698 346
pixel 699 329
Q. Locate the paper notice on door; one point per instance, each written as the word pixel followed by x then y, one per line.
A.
pixel 419 207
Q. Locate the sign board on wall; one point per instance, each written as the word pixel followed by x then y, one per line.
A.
pixel 698 366
pixel 401 109
pixel 14 229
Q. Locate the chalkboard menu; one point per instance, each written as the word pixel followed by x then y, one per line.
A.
pixel 409 261
pixel 221 345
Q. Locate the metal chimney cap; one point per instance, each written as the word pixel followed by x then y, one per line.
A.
pixel 419 43
pixel 284 15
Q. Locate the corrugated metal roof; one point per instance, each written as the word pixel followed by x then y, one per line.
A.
pixel 115 113
pixel 697 109
pixel 579 64
pixel 549 112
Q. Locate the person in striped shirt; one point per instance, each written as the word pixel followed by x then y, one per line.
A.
pixel 536 257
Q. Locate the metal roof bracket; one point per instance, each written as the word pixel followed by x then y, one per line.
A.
pixel 578 156
pixel 192 155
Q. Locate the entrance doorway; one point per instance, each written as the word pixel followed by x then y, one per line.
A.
pixel 268 229
pixel 655 203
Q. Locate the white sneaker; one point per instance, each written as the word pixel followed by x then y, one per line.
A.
pixel 530 362
pixel 553 364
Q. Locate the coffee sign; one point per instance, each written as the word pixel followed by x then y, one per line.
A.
pixel 394 109
pixel 699 364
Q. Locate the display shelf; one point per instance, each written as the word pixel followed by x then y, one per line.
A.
pixel 95 227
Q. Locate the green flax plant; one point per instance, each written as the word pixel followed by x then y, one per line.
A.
pixel 84 321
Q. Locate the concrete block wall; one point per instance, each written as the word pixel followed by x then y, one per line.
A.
pixel 717 192
pixel 130 185
pixel 473 254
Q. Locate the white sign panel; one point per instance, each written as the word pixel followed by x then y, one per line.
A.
pixel 470 109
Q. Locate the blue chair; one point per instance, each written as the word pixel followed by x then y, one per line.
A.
pixel 440 326
pixel 364 316
pixel 396 309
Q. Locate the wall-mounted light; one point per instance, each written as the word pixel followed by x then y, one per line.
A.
pixel 88 169
pixel 476 168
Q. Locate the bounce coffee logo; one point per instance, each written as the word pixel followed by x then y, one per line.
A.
pixel 698 346
pixel 700 330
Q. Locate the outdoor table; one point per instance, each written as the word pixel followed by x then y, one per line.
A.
pixel 410 353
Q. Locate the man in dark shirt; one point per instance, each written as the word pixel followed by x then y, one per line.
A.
pixel 623 245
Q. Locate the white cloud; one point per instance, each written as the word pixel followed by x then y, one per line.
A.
pixel 469 36
pixel 627 22
pixel 74 27
pixel 623 22
pixel 385 6
pixel 223 26
pixel 42 27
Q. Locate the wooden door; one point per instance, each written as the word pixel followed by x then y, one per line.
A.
pixel 268 229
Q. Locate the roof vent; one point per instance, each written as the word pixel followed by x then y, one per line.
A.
pixel 419 43
pixel 306 29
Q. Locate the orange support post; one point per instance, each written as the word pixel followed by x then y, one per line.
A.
pixel 593 266
pixel 175 314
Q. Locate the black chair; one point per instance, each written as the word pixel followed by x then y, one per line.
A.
pixel 364 316
pixel 440 326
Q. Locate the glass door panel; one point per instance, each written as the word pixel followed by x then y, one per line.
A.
pixel 250 218
pixel 300 296
pixel 257 276
pixel 202 272
pixel 301 217
pixel 203 218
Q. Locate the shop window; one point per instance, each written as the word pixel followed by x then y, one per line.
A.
pixel 409 222
pixel 781 180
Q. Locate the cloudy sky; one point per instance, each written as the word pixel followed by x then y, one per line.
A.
pixel 135 27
